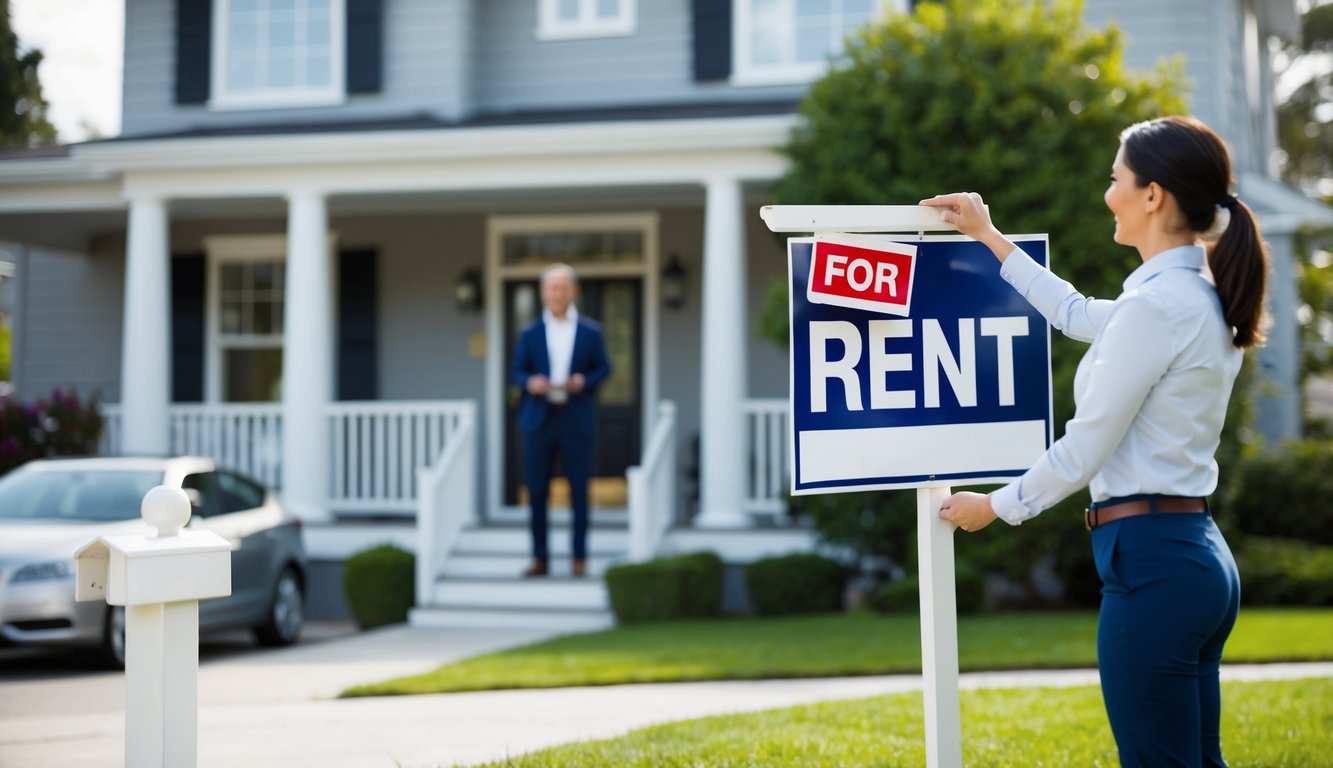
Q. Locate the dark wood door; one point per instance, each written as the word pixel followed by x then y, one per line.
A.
pixel 616 304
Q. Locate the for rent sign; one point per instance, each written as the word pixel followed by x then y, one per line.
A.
pixel 913 363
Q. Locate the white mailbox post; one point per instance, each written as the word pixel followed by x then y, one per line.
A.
pixel 159 579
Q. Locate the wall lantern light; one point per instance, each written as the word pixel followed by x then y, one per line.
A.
pixel 674 283
pixel 467 291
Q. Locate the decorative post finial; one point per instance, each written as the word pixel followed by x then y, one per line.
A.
pixel 166 509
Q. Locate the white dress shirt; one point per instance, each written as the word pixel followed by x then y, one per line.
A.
pixel 1151 393
pixel 560 343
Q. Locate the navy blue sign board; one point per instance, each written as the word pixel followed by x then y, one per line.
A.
pixel 957 392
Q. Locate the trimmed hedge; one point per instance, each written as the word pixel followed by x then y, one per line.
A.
pixel 799 583
pixel 687 586
pixel 1284 494
pixel 380 585
pixel 904 595
pixel 1284 572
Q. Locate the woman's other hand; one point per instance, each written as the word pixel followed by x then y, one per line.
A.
pixel 969 511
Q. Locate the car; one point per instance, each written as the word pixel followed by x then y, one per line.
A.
pixel 51 507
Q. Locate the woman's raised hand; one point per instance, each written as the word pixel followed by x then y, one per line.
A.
pixel 967 211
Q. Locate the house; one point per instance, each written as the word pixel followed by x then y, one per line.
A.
pixel 310 249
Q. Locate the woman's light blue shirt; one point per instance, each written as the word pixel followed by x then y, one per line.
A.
pixel 1151 392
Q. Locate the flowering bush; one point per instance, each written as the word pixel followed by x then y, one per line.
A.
pixel 58 425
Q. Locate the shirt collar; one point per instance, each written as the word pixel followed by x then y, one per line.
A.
pixel 571 315
pixel 1182 257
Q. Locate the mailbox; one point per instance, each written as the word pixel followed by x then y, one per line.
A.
pixel 173 566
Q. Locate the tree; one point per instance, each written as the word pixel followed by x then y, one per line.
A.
pixel 1019 100
pixel 22 106
pixel 1304 122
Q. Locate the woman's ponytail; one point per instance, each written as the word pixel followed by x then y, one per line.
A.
pixel 1239 263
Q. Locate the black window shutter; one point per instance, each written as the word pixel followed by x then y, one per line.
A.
pixel 712 39
pixel 365 45
pixel 194 46
pixel 187 327
pixel 357 291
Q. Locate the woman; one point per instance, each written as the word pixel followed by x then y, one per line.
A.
pixel 1151 396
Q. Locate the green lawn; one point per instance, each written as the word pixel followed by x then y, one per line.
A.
pixel 828 646
pixel 1278 723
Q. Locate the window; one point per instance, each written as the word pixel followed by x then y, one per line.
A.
pixel 277 53
pixel 782 41
pixel 250 330
pixel 203 502
pixel 239 494
pixel 569 19
pixel 592 247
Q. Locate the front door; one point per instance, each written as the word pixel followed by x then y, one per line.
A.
pixel 616 304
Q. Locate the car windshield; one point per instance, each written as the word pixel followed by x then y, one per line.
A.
pixel 75 495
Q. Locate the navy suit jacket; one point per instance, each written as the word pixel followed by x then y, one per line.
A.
pixel 531 358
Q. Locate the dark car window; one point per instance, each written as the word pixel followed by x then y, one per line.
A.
pixel 238 494
pixel 81 495
pixel 205 483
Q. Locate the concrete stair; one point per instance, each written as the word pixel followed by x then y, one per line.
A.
pixel 481 583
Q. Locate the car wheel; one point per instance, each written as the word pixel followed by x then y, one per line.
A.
pixel 111 654
pixel 286 613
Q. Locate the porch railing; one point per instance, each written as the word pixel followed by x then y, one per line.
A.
pixel 652 487
pixel 378 446
pixel 769 466
pixel 246 437
pixel 447 503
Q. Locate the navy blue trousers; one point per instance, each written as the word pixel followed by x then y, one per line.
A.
pixel 1170 594
pixel 558 434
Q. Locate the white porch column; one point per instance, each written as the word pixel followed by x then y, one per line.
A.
pixel 307 366
pixel 145 345
pixel 722 427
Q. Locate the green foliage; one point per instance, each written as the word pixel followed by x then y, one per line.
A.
pixel 6 343
pixel 1304 131
pixel 668 588
pixel 904 595
pixel 800 583
pixel 60 424
pixel 22 106
pixel 1285 572
pixel 1284 494
pixel 380 585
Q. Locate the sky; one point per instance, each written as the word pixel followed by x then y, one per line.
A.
pixel 81 43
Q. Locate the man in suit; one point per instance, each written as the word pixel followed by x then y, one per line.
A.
pixel 558 363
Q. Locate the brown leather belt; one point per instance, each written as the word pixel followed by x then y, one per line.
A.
pixel 1095 516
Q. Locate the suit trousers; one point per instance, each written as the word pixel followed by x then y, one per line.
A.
pixel 558 434
pixel 1170 596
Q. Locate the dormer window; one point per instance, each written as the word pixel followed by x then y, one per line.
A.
pixel 792 41
pixel 572 19
pixel 277 53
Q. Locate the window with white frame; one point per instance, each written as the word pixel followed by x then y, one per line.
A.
pixel 277 53
pixel 781 41
pixel 569 19
pixel 248 339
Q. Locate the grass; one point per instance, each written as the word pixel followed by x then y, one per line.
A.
pixel 829 646
pixel 1270 723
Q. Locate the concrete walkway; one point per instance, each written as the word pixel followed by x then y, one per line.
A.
pixel 274 709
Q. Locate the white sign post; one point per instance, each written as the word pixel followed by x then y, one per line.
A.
pixel 888 390
pixel 160 580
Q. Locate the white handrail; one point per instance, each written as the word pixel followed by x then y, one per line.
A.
pixel 652 487
pixel 446 502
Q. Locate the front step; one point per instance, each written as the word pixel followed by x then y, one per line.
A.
pixel 516 540
pixel 545 593
pixel 450 617
pixel 485 565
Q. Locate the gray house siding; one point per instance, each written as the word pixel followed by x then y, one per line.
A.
pixel 514 70
pixel 426 69
pixel 72 314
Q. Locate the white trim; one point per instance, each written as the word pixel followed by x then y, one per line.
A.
pixel 497 227
pixel 220 99
pixel 745 73
pixel 587 25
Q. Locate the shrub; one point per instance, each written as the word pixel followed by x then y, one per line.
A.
pixel 904 595
pixel 800 583
pixel 1284 494
pixel 380 585
pixel 686 586
pixel 1284 572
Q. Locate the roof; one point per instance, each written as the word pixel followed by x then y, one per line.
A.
pixel 1282 208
